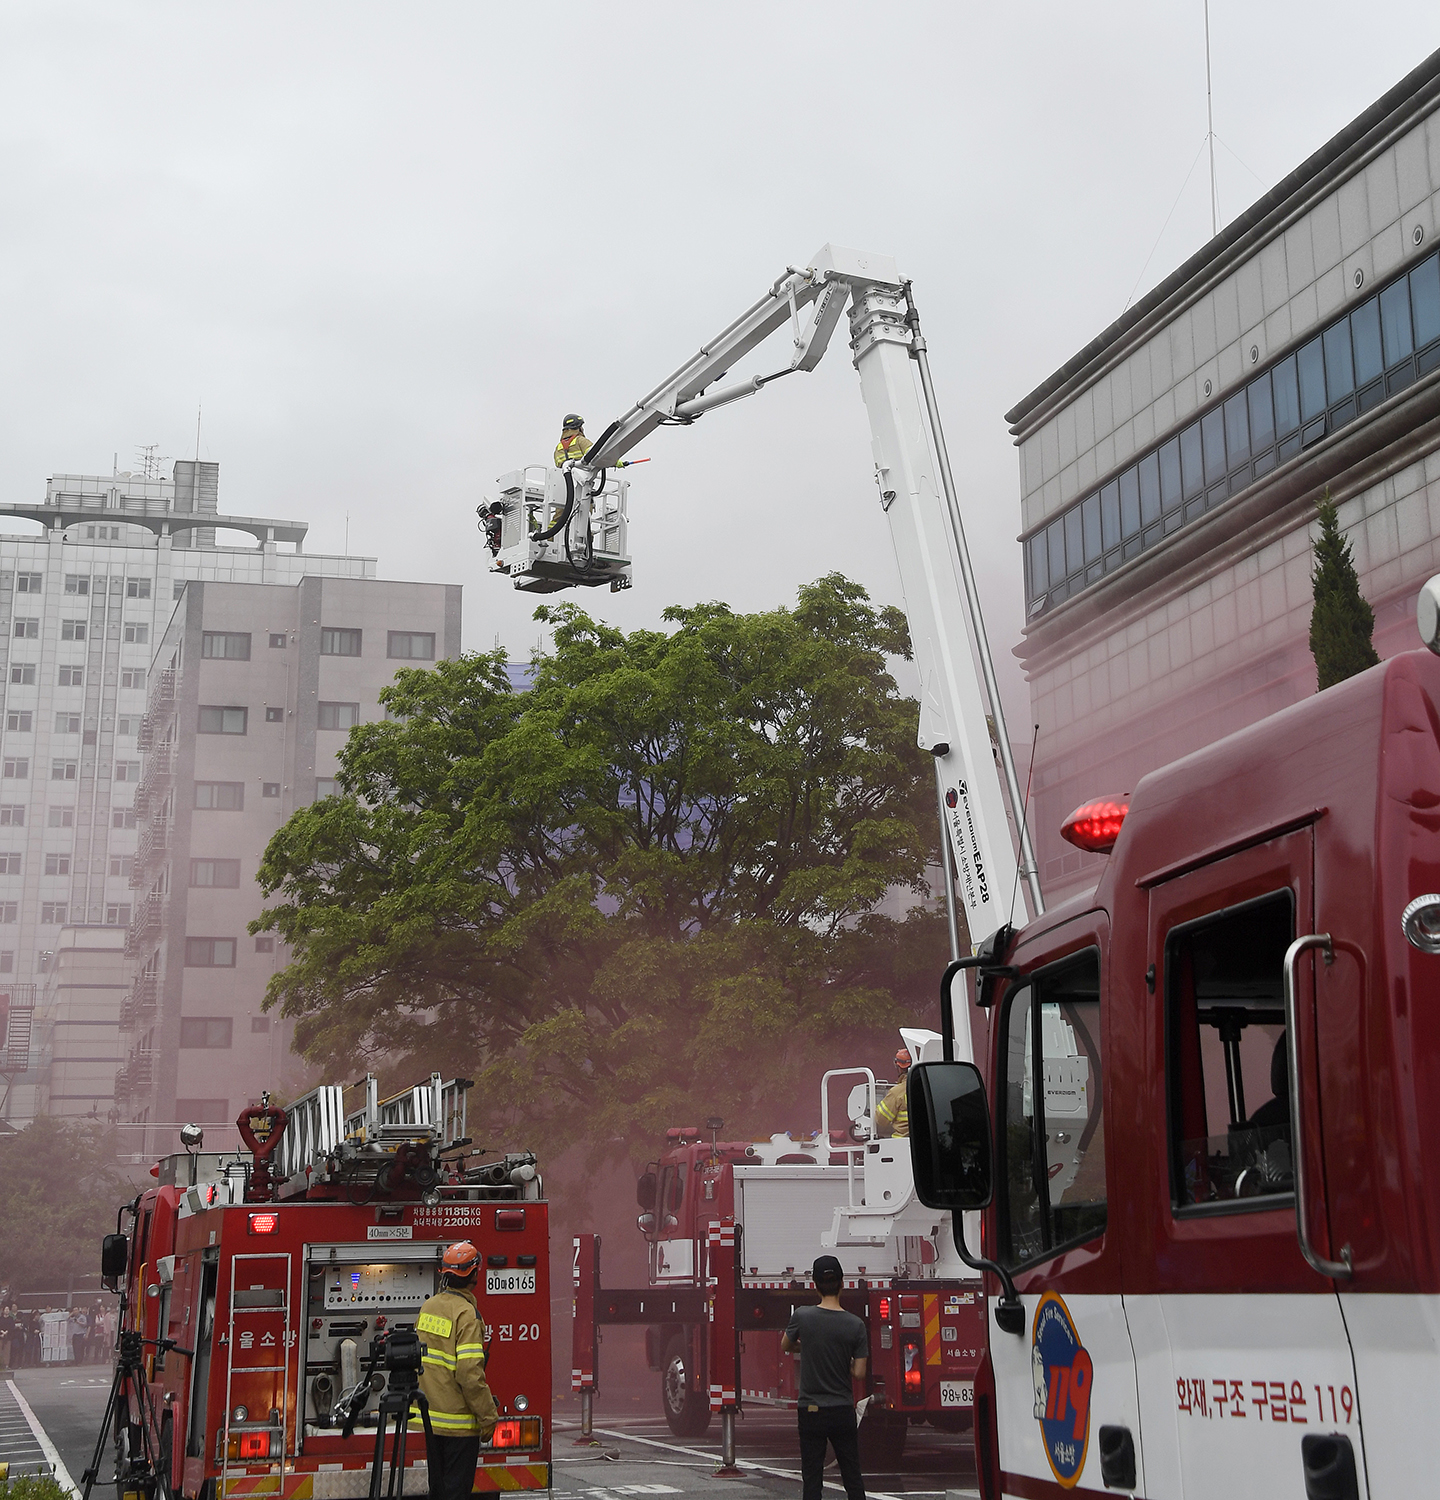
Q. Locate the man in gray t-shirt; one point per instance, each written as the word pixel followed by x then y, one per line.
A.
pixel 834 1348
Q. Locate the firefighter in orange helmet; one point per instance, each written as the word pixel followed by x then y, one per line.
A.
pixel 452 1377
pixel 573 442
pixel 893 1115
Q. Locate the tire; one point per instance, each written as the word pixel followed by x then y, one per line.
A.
pixel 882 1440
pixel 687 1410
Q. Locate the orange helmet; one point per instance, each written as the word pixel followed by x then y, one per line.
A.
pixel 902 1058
pixel 460 1260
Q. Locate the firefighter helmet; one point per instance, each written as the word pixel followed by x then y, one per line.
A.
pixel 460 1260
pixel 571 420
pixel 902 1058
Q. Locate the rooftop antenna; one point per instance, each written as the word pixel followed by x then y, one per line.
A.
pixel 198 408
pixel 347 533
pixel 150 460
pixel 1210 133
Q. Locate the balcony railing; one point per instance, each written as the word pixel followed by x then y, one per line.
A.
pixel 153 846
pixel 148 920
pixel 138 1006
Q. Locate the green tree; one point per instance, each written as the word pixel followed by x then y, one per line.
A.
pixel 642 888
pixel 1341 622
pixel 61 1190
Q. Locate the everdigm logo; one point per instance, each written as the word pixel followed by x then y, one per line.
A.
pixel 1062 1373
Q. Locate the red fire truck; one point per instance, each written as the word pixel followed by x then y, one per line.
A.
pixel 1219 1272
pixel 732 1228
pixel 267 1284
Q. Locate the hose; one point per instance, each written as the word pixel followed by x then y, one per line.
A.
pixel 544 536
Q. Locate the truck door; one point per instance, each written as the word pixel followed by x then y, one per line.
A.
pixel 1241 1348
pixel 1070 1371
pixel 672 1251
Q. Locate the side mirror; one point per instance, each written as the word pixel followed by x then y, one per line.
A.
pixel 950 1148
pixel 114 1256
pixel 646 1223
pixel 645 1190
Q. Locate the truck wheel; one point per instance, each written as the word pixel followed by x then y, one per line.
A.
pixel 687 1410
pixel 882 1440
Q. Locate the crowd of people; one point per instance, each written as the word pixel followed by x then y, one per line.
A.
pixel 79 1335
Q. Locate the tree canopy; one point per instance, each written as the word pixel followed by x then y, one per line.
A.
pixel 644 886
pixel 61 1191
pixel 1342 624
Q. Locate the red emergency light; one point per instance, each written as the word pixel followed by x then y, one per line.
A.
pixel 884 1309
pixel 1094 826
pixel 523 1432
pixel 254 1445
pixel 264 1223
pixel 509 1218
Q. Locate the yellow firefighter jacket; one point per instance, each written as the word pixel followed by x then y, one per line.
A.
pixel 894 1111
pixel 577 447
pixel 453 1377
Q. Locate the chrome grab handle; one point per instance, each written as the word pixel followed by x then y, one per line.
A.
pixel 1339 1268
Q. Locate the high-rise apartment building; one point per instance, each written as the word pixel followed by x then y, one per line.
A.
pixel 82 604
pixel 252 693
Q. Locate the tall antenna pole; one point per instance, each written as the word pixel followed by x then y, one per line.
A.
pixel 198 408
pixel 1210 132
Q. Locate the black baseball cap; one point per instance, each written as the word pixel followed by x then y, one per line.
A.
pixel 826 1266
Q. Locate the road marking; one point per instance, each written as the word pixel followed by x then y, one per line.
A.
pixel 43 1438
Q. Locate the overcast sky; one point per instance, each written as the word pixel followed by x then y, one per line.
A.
pixel 389 246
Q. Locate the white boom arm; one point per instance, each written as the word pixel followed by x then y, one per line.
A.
pixel 925 526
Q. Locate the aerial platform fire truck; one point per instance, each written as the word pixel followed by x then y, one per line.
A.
pixel 273 1287
pixel 732 1228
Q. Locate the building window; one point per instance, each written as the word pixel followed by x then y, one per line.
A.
pixel 209 953
pixel 57 864
pixel 226 645
pixel 27 629
pixel 274 715
pixel 335 642
pixel 27 583
pixel 72 677
pixel 412 645
pixel 220 796
pixel 137 588
pixel 17 722
pixel 64 770
pixel 132 677
pixel 72 630
pixel 61 817
pixel 10 864
pixel 324 787
pixel 118 915
pixel 127 728
pixel 54 913
pixel 9 911
pixel 67 723
pixel 77 583
pixel 217 720
pixel 17 768
pixel 136 634
pixel 7 960
pixel 177 589
pixel 122 817
pixel 127 770
pixel 204 1111
pixel 259 1024
pixel 22 672
pixel 270 789
pixel 205 1031
pixel 339 715
pixel 122 864
pixel 1367 354
pixel 12 815
pixel 277 640
pixel 215 872
pixel 265 943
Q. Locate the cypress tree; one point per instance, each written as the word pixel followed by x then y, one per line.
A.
pixel 1341 623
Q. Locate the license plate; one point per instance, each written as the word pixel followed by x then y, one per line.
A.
pixel 957 1393
pixel 500 1283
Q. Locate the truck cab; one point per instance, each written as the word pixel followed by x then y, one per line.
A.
pixel 1217 1211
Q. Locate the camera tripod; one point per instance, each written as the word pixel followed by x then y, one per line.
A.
pixel 402 1391
pixel 130 1381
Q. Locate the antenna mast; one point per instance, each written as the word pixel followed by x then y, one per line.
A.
pixel 1210 131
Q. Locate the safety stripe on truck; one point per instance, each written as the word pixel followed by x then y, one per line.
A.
pixel 488 1480
pixel 932 1329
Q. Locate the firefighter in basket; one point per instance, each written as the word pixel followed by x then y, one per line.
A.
pixel 893 1113
pixel 452 1379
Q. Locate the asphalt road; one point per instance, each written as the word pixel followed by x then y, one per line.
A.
pixel 634 1454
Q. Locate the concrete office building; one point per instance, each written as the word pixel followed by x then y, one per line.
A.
pixel 82 603
pixel 253 691
pixel 1170 470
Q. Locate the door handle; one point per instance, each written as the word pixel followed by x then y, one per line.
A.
pixel 1338 1268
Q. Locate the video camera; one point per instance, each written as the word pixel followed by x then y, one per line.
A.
pixel 403 1351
